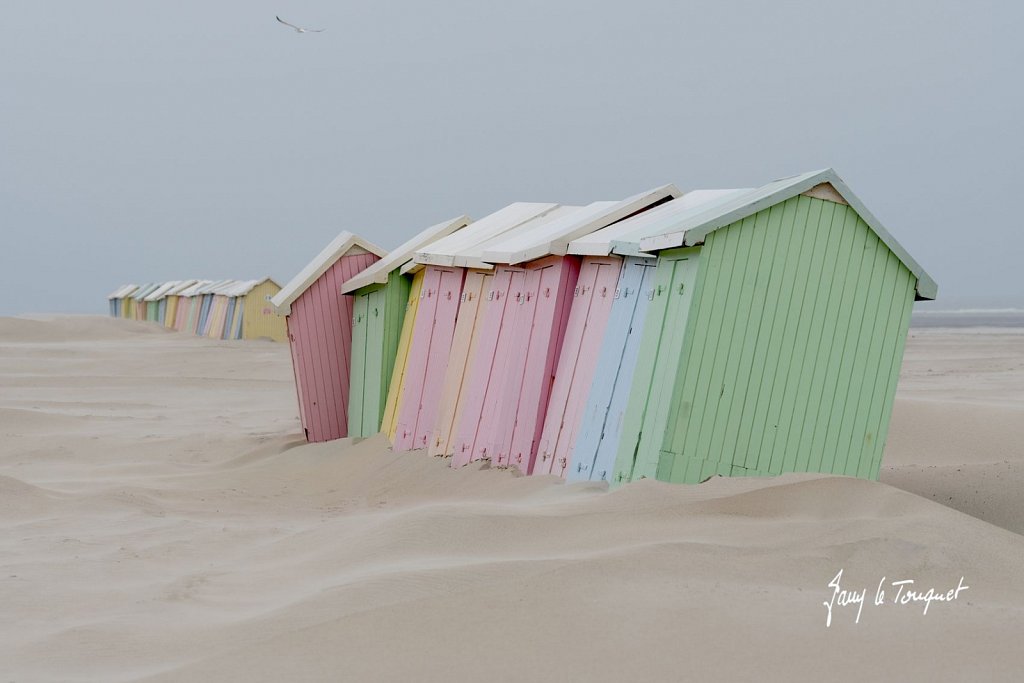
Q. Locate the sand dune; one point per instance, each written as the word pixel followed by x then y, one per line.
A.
pixel 162 520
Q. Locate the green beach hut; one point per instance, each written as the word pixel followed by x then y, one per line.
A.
pixel 380 295
pixel 778 342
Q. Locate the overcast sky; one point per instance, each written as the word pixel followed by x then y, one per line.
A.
pixel 145 141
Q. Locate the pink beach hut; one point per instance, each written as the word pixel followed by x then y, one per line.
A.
pixel 445 264
pixel 510 378
pixel 319 320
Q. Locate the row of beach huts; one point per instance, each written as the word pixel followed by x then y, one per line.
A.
pixel 219 309
pixel 672 335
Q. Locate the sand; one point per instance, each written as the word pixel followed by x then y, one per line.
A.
pixel 162 520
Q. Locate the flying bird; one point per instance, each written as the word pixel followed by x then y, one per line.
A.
pixel 299 29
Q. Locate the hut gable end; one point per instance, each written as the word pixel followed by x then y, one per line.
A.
pixel 794 344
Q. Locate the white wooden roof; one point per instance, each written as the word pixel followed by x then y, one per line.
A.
pixel 243 287
pixel 378 272
pixel 180 287
pixel 623 237
pixel 474 256
pixel 142 292
pixel 345 243
pixel 122 291
pixel 695 227
pixel 553 238
pixel 444 252
pixel 194 288
pixel 161 291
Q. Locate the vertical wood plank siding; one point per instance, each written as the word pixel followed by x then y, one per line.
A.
pixel 392 405
pixel 792 350
pixel 593 454
pixel 320 334
pixel 484 370
pixel 468 323
pixel 428 357
pixel 647 412
pixel 591 305
pixel 376 326
pixel 259 320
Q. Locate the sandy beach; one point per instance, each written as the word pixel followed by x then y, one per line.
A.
pixel 163 520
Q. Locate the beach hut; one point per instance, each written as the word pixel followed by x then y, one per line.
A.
pixel 510 379
pixel 189 302
pixel 156 302
pixel 251 314
pixel 139 304
pixel 433 321
pixel 586 430
pixel 173 297
pixel 217 319
pixel 380 296
pixel 206 294
pixel 117 297
pixel 319 325
pixel 234 309
pixel 780 343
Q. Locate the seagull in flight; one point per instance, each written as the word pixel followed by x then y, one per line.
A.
pixel 299 29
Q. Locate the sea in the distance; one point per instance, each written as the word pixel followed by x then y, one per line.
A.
pixel 969 312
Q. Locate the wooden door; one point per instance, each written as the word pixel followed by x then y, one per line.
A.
pixel 464 344
pixel 483 367
pixel 577 362
pixel 431 342
pixel 647 410
pixel 553 295
pixel 593 451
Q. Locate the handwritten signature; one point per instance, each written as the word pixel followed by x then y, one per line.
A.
pixel 905 593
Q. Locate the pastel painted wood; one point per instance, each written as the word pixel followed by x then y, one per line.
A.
pixel 484 371
pixel 529 340
pixel 594 448
pixel 591 306
pixel 784 355
pixel 428 357
pixel 389 421
pixel 381 296
pixel 319 323
pixel 467 332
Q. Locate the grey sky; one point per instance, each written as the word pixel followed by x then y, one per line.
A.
pixel 152 141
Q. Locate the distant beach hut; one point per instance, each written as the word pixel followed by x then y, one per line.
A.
pixel 117 297
pixel 207 294
pixel 779 342
pixel 319 324
pixel 173 297
pixel 139 304
pixel 380 296
pixel 217 318
pixel 156 302
pixel 504 421
pixel 588 427
pixel 189 303
pixel 250 312
pixel 422 369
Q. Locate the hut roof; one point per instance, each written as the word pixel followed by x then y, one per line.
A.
pixel 378 272
pixel 243 287
pixel 122 291
pixel 194 288
pixel 180 287
pixel 695 227
pixel 474 257
pixel 624 237
pixel 554 237
pixel 161 291
pixel 142 292
pixel 341 244
pixel 465 242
